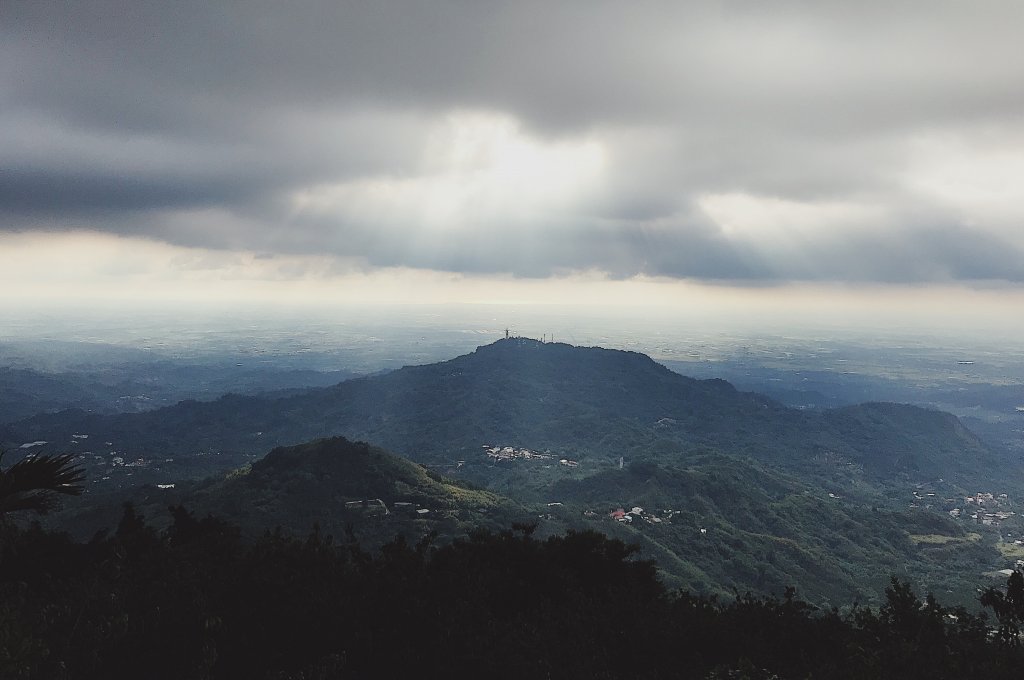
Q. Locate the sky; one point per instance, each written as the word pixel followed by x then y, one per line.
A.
pixel 812 157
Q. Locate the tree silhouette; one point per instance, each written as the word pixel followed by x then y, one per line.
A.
pixel 34 483
pixel 1008 607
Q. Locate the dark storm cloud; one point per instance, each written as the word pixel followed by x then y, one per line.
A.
pixel 199 123
pixel 53 193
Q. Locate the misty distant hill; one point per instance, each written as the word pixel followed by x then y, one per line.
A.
pixel 140 385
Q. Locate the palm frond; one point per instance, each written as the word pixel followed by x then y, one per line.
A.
pixel 33 483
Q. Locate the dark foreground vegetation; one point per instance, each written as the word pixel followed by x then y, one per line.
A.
pixel 196 601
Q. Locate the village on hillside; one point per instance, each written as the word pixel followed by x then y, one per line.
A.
pixel 510 453
pixel 984 507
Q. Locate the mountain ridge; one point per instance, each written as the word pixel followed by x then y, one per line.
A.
pixel 731 489
pixel 583 403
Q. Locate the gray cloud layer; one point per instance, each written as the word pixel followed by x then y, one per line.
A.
pixel 203 124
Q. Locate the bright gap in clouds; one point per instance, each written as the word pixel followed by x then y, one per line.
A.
pixel 976 178
pixel 479 176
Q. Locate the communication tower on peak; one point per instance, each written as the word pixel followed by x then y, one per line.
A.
pixel 506 333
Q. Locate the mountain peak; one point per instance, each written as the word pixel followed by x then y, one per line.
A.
pixel 541 350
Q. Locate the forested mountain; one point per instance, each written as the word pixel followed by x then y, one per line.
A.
pixel 729 491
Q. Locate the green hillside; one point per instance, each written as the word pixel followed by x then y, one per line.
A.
pixel 341 485
pixel 724 525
